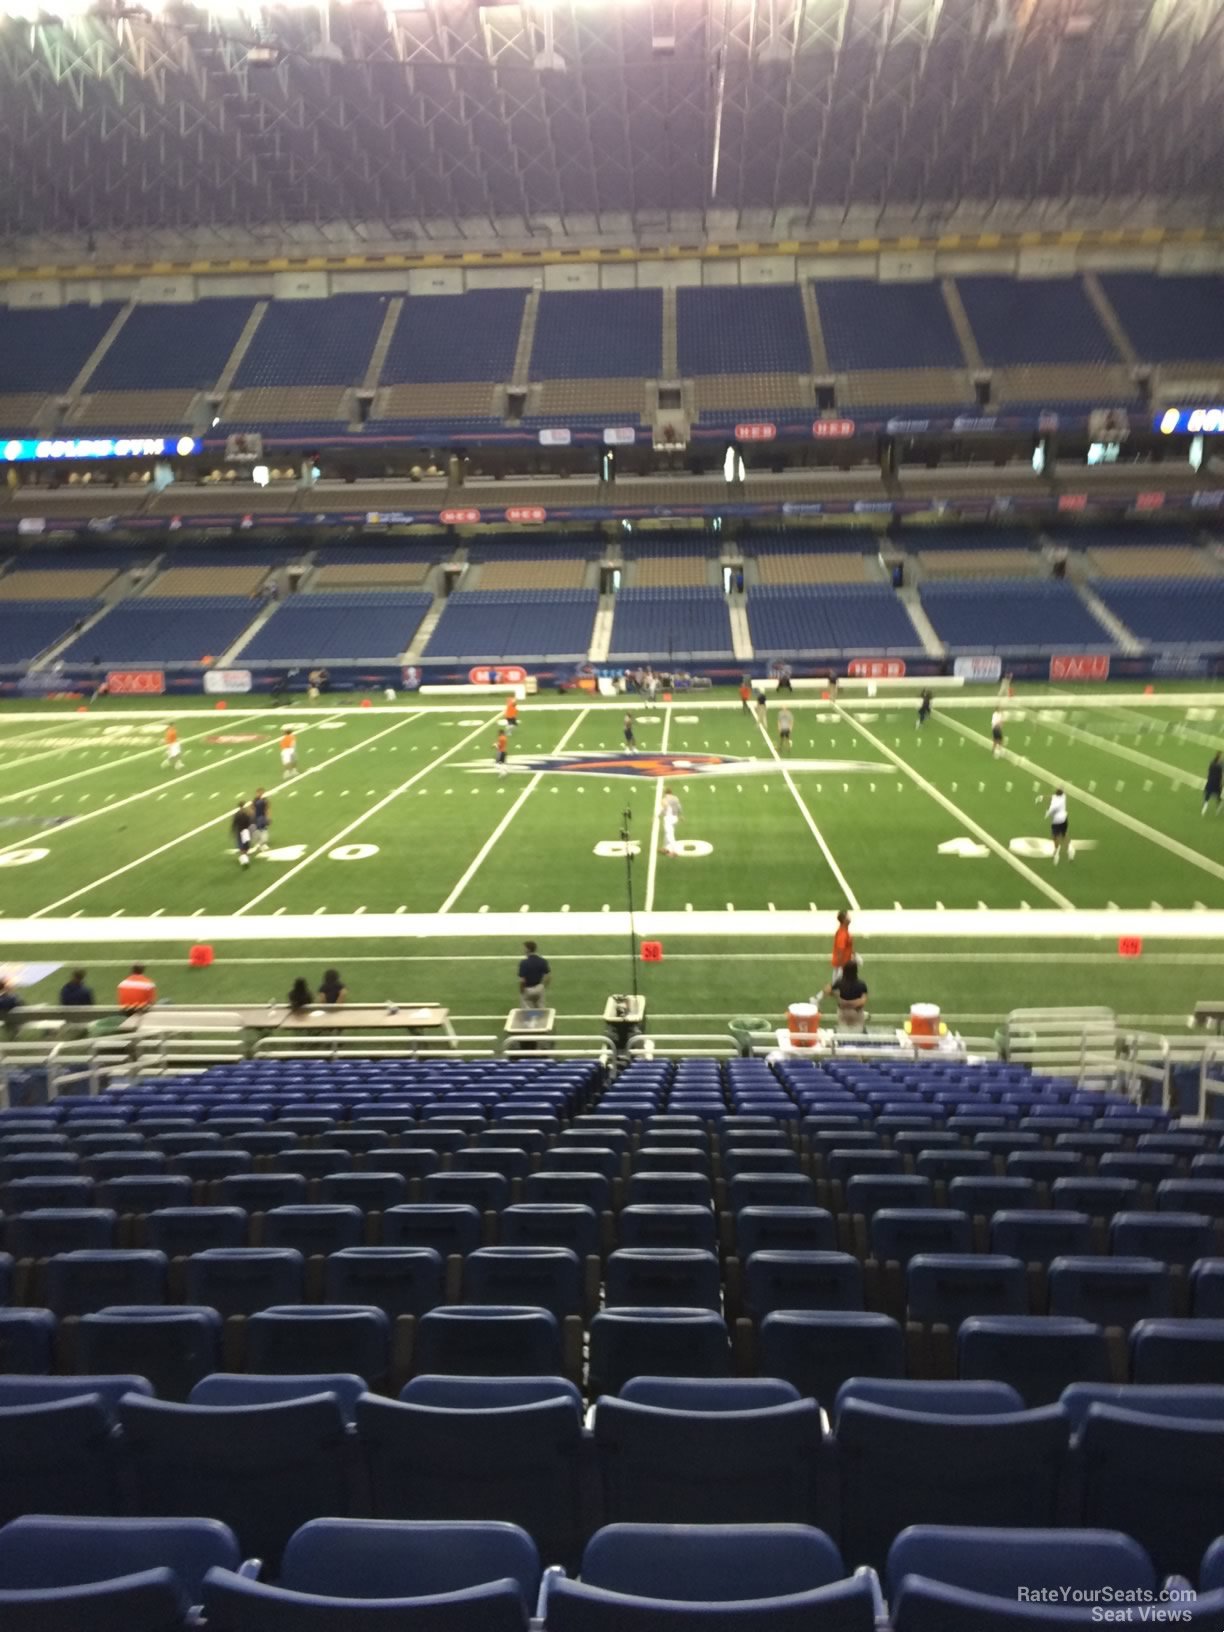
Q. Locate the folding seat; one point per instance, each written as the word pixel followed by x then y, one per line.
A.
pixel 314 1231
pixel 763 1229
pixel 675 1188
pixel 944 1289
pixel 450 1229
pixel 1184 1144
pixel 398 1280
pixel 123 1164
pixel 1191 1196
pixel 898 1467
pixel 655 1342
pixel 261 1192
pixel 533 1277
pixel 48 1230
pixel 513 1165
pixel 263 1141
pixel 1185 1401
pixel 671 1277
pixel 898 1233
pixel 487 1191
pixel 357 1141
pixel 842 1164
pixel 35 1194
pixel 49 1164
pixel 209 1166
pixel 141 1574
pixel 551 1224
pixel 708 1466
pixel 1177 1351
pixel 27 1339
pixel 1207 1289
pixel 406 1164
pixel 81 1282
pixel 30 1144
pixel 1144 1168
pixel 1099 1195
pixel 1159 1479
pixel 488 1340
pixel 1039 1355
pixel 354 1573
pixel 445 1141
pixel 1173 1238
pixel 1210 1166
pixel 816 1350
pixel 585 1189
pixel 109 1389
pixel 1044 1166
pixel 867 1195
pixel 736 1161
pixel 999 1144
pixel 693 1157
pixel 942 1166
pixel 6 1277
pixel 982 1198
pixel 770 1190
pixel 1111 1291
pixel 139 1194
pixel 801 1280
pixel 522 1463
pixel 99 1144
pixel 316 1338
pixel 180 1231
pixel 243 1280
pixel 61 1457
pixel 179 1143
pixel 262 1469
pixel 951 1579
pixel 582 1138
pixel 172 1346
pixel 1040 1237
pixel 306 1126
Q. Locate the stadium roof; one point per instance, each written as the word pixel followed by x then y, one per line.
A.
pixel 593 119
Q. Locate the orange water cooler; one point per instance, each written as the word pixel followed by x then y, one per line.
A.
pixel 803 1023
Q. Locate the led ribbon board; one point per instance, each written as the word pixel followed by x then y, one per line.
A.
pixel 19 450
pixel 1195 420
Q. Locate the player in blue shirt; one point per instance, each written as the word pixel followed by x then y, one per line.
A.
pixel 1215 784
pixel 260 820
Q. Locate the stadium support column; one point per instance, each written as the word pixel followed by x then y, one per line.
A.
pixel 627 841
pixel 886 451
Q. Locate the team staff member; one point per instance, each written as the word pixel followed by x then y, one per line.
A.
pixel 745 696
pixel 74 993
pixel 512 714
pixel 174 749
pixel 851 996
pixel 1056 815
pixel 136 990
pixel 534 974
pixel 843 947
pixel 501 751
pixel 288 751
pixel 1215 784
pixel 261 819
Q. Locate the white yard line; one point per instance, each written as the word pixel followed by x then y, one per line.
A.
pixel 158 747
pixel 969 925
pixel 194 832
pixel 156 788
pixel 652 865
pixel 491 842
pixel 1123 819
pixel 843 882
pixel 1160 766
pixel 338 838
pixel 988 839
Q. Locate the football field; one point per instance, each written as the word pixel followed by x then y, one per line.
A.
pixel 398 827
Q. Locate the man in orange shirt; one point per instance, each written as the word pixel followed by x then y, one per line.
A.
pixel 136 991
pixel 174 750
pixel 745 696
pixel 843 946
pixel 512 714
pixel 288 748
pixel 501 751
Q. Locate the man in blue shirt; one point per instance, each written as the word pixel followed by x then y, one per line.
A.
pixel 534 975
pixel 74 993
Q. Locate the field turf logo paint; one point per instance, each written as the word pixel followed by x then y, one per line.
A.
pixel 655 765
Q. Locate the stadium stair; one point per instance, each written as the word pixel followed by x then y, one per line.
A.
pixel 230 655
pixel 815 330
pixel 741 635
pixel 601 633
pixel 960 322
pixel 383 344
pixel 117 590
pixel 425 630
pixel 1109 318
pixel 670 364
pixel 96 355
pixel 1127 641
pixel 243 345
pixel 526 340
pixel 931 642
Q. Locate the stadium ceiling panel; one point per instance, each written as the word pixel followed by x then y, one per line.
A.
pixel 588 118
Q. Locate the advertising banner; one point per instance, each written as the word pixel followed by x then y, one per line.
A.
pixel 1090 666
pixel 979 670
pixel 135 682
pixel 876 668
pixel 506 674
pixel 227 682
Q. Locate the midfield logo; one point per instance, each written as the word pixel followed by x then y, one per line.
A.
pixel 654 765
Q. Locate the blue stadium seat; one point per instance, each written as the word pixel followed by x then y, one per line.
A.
pixel 1040 1237
pixel 314 1231
pixel 262 1469
pixel 626 1343
pixel 82 1282
pixel 675 1277
pixel 817 1350
pixel 1172 1238
pixel 870 325
pixel 397 1280
pixel 319 1338
pixel 664 1226
pixel 708 1467
pixel 1207 1289
pixel 34 1193
pixel 172 1346
pixel 370 1192
pixel 230 1388
pixel 545 1277
pixel 1039 1355
pixel 897 1234
pixel 1177 1351
pixel 522 1463
pixel 27 1339
pixel 943 1290
pixel 259 1192
pixel 448 1228
pixel 983 1198
pixel 801 1280
pixel 488 1341
pixel 50 1230
pixel 243 1280
pixel 1111 1291
pixel 138 1193
pixel 61 1457
pixel 181 1231
pixel 783 1229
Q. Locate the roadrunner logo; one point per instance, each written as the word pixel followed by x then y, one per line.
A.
pixel 653 765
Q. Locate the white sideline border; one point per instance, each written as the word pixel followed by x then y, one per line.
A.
pixel 968 923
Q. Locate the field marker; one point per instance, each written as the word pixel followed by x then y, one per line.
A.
pixel 1123 818
pixel 1000 850
pixel 157 911
pixel 842 881
pixel 365 816
pixel 1186 778
pixel 97 883
pixel 656 819
pixel 490 843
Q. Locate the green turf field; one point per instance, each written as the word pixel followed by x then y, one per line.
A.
pixel 397 813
